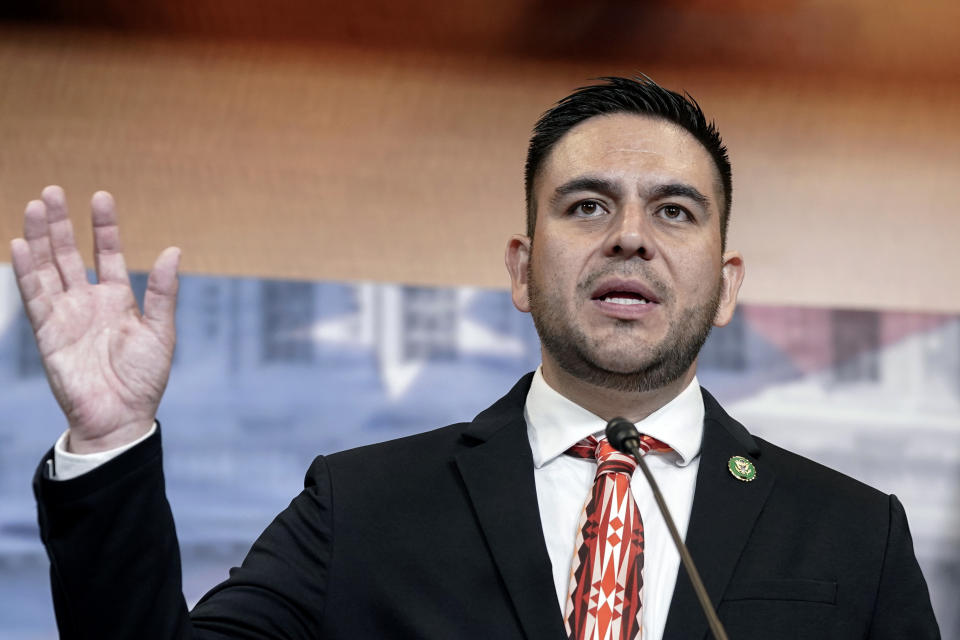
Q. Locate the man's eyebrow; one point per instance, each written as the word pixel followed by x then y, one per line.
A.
pixel 680 190
pixel 588 183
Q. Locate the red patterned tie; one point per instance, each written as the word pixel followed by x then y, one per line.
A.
pixel 605 585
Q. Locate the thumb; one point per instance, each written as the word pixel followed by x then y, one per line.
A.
pixel 160 299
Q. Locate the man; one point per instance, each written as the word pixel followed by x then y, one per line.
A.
pixel 480 529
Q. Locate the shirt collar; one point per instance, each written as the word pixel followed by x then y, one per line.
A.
pixel 555 423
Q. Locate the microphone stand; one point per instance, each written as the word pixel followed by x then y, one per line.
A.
pixel 623 435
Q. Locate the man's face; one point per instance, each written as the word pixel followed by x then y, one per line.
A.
pixel 625 276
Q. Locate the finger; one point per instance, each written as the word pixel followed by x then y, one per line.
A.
pixel 64 246
pixel 160 299
pixel 35 302
pixel 108 252
pixel 37 235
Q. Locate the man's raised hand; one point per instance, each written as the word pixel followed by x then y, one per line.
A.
pixel 107 363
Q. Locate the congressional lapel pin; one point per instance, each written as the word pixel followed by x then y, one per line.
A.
pixel 742 469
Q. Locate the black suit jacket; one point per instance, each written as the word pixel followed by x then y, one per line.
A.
pixel 438 536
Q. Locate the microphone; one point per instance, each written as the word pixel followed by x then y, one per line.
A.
pixel 624 437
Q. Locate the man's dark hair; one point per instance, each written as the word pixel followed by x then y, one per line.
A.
pixel 640 96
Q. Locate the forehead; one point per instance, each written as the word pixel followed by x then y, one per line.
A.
pixel 636 149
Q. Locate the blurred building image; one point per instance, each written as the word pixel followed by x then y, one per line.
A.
pixel 270 373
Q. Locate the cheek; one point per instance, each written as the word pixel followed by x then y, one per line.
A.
pixel 698 277
pixel 561 261
pixel 549 260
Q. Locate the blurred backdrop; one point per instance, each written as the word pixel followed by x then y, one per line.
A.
pixel 342 180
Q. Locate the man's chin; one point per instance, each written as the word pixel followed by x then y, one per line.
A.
pixel 615 365
pixel 631 380
pixel 623 370
pixel 622 361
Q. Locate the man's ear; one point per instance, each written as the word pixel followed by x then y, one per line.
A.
pixel 517 259
pixel 731 277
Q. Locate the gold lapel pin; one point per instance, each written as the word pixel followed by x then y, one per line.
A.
pixel 742 469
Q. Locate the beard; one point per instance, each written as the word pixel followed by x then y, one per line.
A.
pixel 580 355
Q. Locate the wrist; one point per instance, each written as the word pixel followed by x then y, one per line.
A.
pixel 75 443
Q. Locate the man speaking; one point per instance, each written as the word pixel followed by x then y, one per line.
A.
pixel 524 522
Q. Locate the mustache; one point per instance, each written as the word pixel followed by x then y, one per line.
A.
pixel 632 272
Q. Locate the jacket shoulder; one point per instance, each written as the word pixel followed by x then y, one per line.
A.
pixel 440 445
pixel 806 475
pixel 446 439
pixel 792 470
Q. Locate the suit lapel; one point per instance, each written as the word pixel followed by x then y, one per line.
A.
pixel 498 473
pixel 723 515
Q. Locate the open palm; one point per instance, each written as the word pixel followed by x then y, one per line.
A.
pixel 107 363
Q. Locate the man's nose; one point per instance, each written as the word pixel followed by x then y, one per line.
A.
pixel 630 234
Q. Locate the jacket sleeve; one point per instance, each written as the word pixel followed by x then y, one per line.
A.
pixel 280 589
pixel 115 559
pixel 902 608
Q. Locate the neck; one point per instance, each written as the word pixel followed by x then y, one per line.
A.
pixel 611 403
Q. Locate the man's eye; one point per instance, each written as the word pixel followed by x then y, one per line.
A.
pixel 673 212
pixel 588 209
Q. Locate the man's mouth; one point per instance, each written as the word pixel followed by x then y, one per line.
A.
pixel 624 292
pixel 623 297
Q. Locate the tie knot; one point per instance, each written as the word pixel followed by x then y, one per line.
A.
pixel 609 460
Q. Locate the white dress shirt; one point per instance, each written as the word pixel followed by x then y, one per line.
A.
pixel 563 483
pixel 67 465
pixel 554 424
